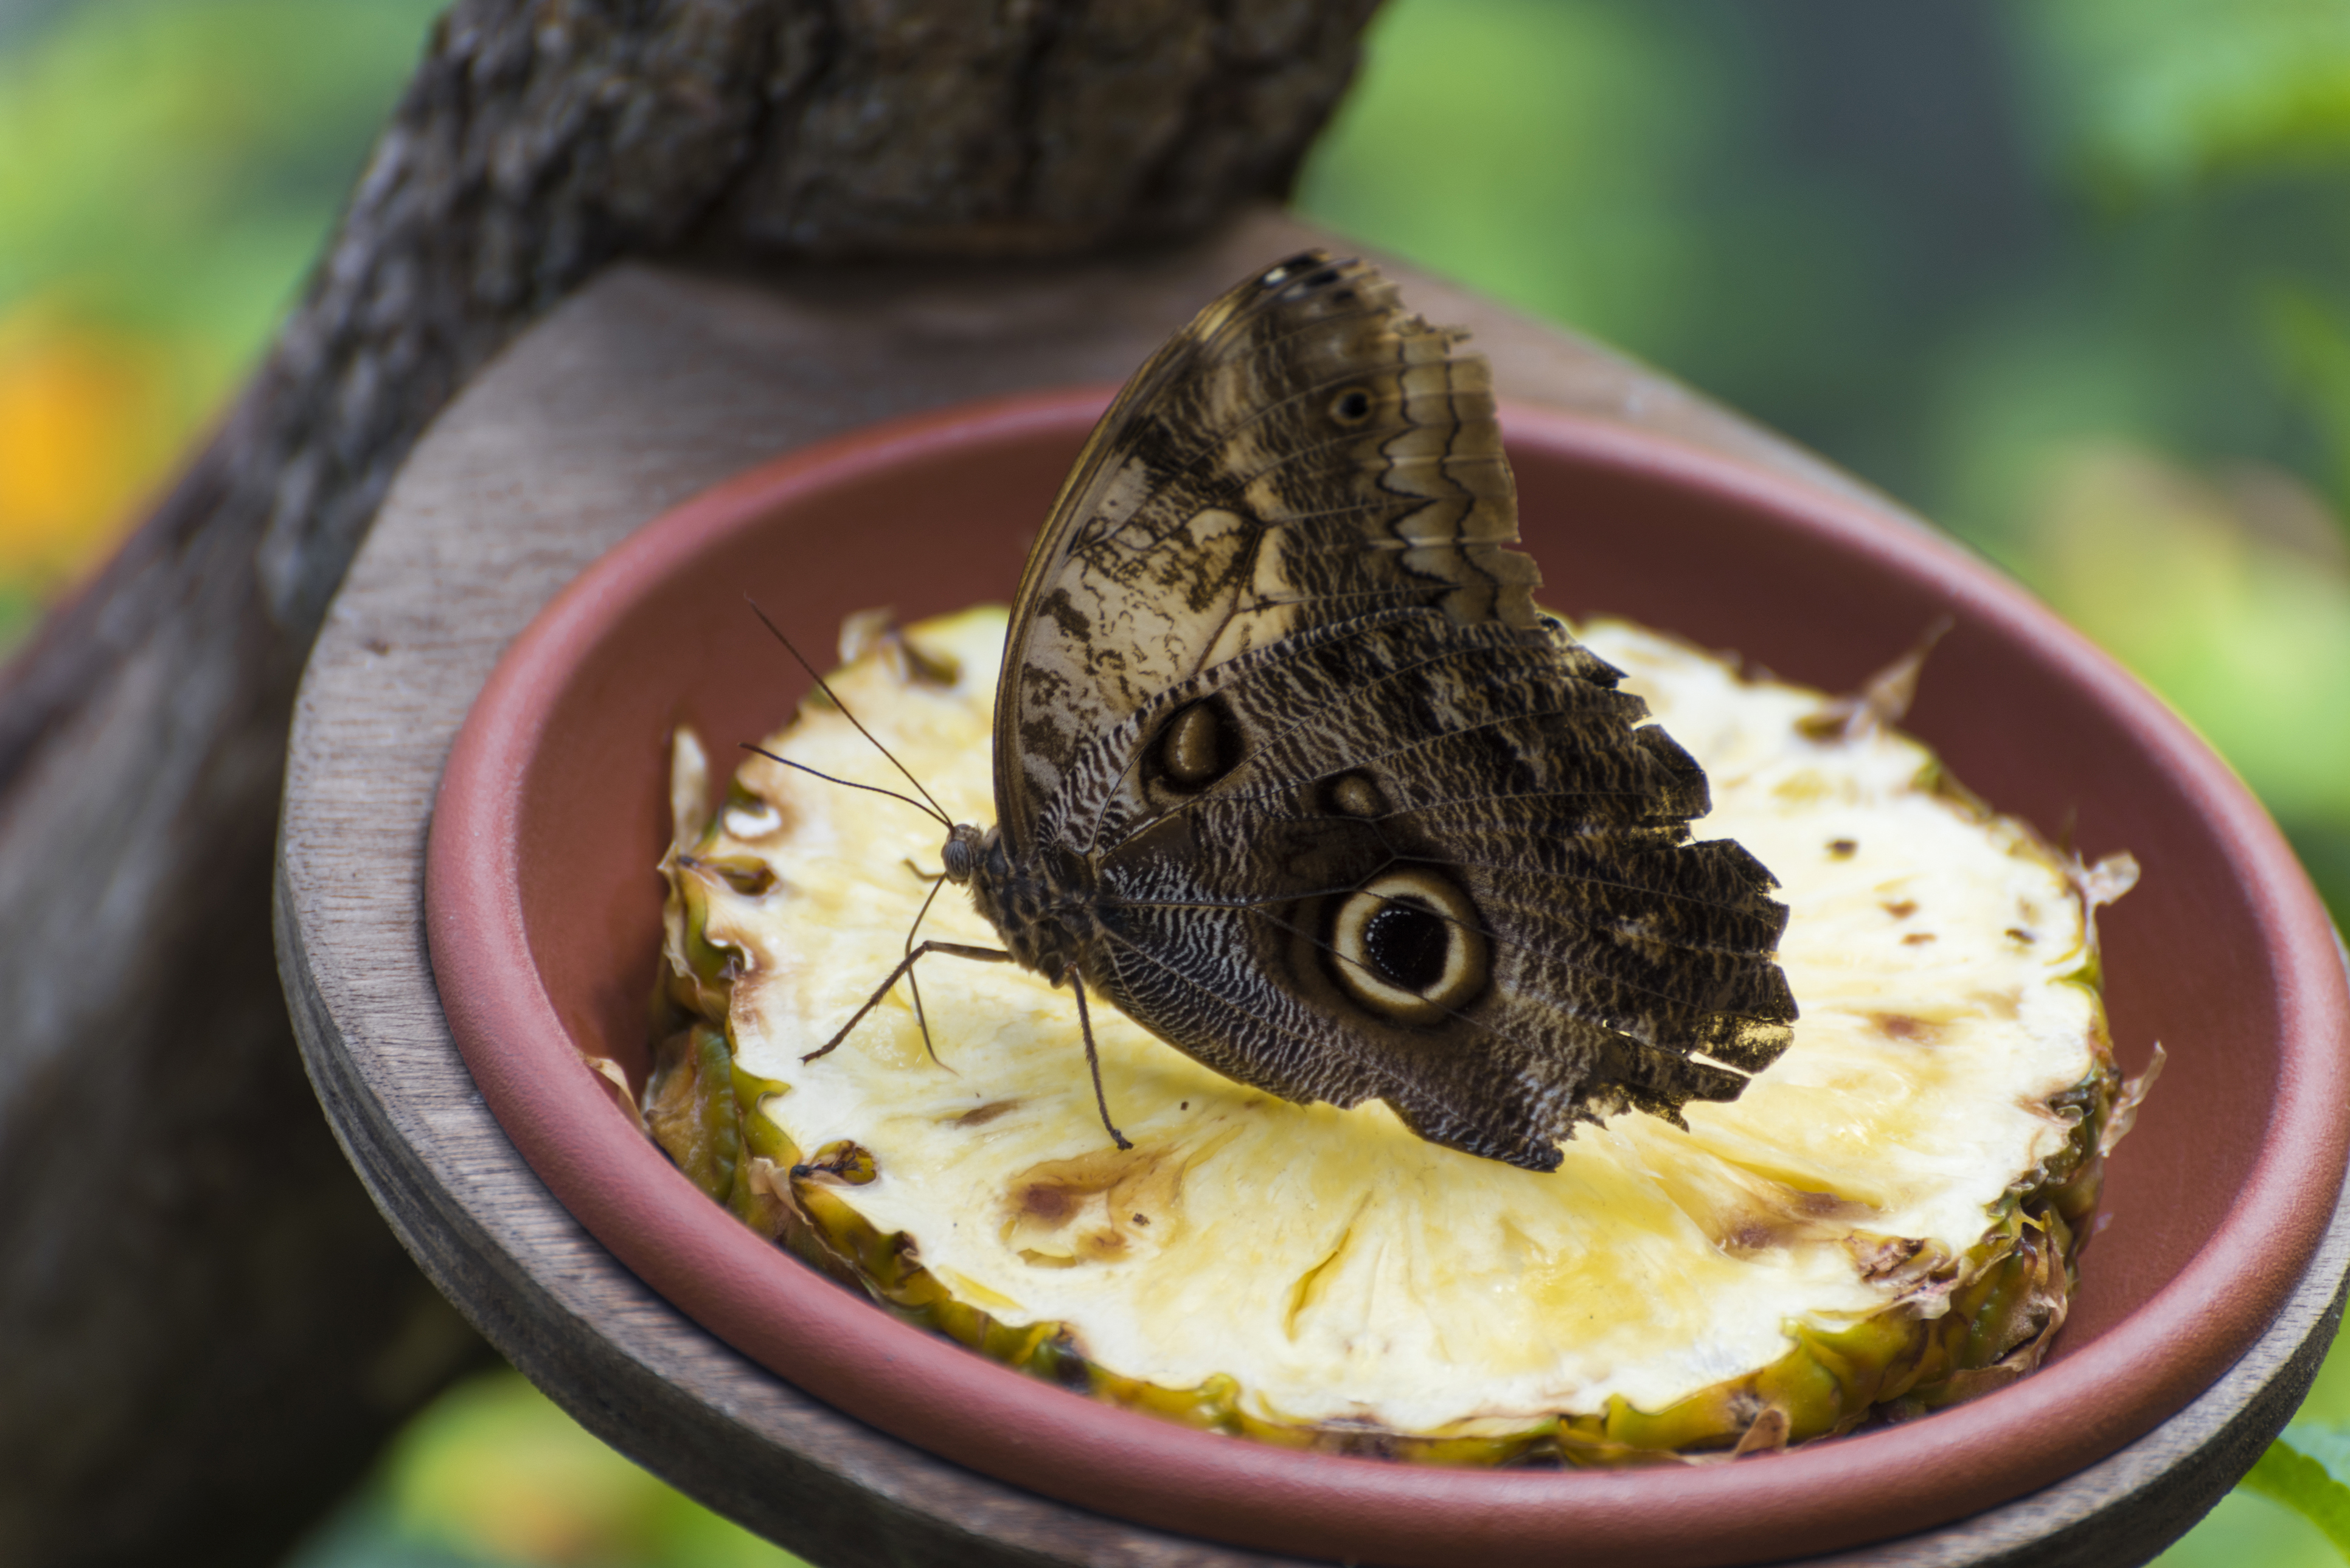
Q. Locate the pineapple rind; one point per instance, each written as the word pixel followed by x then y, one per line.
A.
pixel 1938 1322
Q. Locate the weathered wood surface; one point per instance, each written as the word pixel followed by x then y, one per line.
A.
pixel 652 384
pixel 204 1330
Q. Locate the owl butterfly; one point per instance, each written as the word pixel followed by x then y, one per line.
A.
pixel 1289 767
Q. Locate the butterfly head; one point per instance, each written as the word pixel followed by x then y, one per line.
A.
pixel 966 847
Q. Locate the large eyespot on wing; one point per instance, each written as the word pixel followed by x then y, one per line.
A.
pixel 1410 946
pixel 1305 452
pixel 1196 746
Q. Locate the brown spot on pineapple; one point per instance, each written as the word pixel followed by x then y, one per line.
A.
pixel 980 1115
pixel 1746 1213
pixel 1844 849
pixel 745 874
pixel 1882 1257
pixel 837 1164
pixel 1093 1208
pixel 2005 1004
pixel 1901 908
pixel 1917 938
pixel 1046 1202
pixel 1901 1026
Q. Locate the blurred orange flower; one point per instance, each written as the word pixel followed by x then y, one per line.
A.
pixel 86 434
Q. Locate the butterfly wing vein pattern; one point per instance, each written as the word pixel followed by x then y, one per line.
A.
pixel 1290 767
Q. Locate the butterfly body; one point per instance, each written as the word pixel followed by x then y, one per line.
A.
pixel 1048 913
pixel 1291 769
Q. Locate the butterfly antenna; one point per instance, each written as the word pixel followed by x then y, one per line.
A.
pixel 850 784
pixel 813 674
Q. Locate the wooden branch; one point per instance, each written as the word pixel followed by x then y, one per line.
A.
pixel 204 1330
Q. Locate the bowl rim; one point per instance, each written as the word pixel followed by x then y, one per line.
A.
pixel 840 1347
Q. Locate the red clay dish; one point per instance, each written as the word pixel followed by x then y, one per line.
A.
pixel 544 914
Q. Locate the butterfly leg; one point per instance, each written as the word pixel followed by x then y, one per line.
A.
pixel 1092 1058
pixel 922 1019
pixel 958 949
pixel 913 984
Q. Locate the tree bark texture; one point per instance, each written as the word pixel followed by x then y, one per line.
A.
pixel 206 1331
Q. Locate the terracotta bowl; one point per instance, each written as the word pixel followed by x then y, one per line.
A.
pixel 543 908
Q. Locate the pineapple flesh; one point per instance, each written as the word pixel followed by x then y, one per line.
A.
pixel 1887 1220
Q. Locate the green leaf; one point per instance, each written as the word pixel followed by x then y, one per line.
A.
pixel 2308 1469
pixel 173 164
pixel 2156 96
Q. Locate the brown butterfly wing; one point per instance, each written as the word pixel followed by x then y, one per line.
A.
pixel 1303 451
pixel 1481 774
pixel 1359 821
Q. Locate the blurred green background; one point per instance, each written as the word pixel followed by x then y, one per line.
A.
pixel 2070 276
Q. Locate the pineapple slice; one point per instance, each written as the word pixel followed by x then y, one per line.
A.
pixel 1887 1220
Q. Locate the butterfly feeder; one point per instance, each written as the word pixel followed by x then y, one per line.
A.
pixel 555 581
